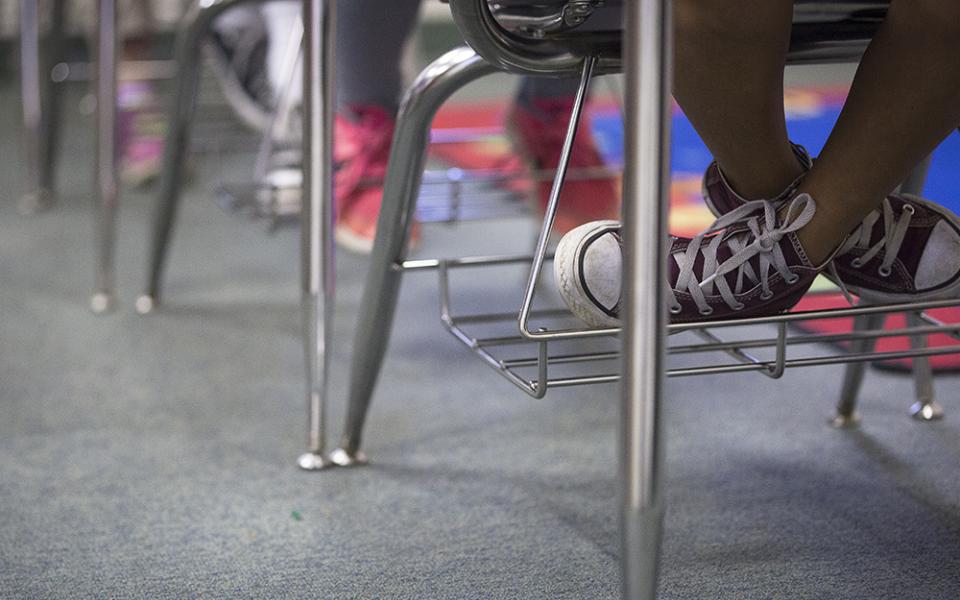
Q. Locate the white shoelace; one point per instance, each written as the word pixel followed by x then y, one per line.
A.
pixel 894 232
pixel 762 238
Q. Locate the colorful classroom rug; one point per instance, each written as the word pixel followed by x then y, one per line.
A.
pixel 469 135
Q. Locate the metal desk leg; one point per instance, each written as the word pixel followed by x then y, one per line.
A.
pixel 33 84
pixel 52 96
pixel 647 176
pixel 194 25
pixel 106 173
pixel 432 88
pixel 853 375
pixel 926 407
pixel 317 217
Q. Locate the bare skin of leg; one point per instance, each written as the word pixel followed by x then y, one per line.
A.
pixel 904 100
pixel 729 59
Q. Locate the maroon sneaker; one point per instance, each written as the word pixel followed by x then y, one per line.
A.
pixel 906 250
pixel 749 263
pixel 720 197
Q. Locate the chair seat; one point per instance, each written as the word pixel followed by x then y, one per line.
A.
pixel 548 36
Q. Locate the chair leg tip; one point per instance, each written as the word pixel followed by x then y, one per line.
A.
pixel 312 461
pixel 344 458
pixel 851 421
pixel 101 303
pixel 145 304
pixel 926 411
pixel 35 202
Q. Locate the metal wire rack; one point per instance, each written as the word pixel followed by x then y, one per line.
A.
pixel 766 345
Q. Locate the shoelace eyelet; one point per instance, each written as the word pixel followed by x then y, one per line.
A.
pixel 707 311
pixel 856 263
pixel 908 208
pixel 676 310
pixel 884 271
pixel 766 295
pixel 793 279
pixel 740 306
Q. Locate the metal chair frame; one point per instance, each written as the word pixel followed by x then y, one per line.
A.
pixel 644 331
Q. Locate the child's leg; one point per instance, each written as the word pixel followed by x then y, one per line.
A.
pixel 370 39
pixel 905 99
pixel 729 59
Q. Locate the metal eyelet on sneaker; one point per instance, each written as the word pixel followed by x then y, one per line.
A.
pixel 766 295
pixel 856 263
pixel 884 271
pixel 740 306
pixel 707 311
pixel 793 279
pixel 676 309
pixel 908 208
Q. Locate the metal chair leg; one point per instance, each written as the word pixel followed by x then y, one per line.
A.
pixel 319 17
pixel 106 173
pixel 647 180
pixel 435 84
pixel 52 96
pixel 853 376
pixel 926 407
pixel 33 85
pixel 195 24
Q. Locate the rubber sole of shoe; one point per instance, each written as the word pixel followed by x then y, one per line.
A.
pixel 565 268
pixel 351 241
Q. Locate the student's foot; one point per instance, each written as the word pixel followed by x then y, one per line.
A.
pixel 906 250
pixel 361 151
pixel 589 194
pixel 749 263
pixel 721 198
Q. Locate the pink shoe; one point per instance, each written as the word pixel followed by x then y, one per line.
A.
pixel 361 151
pixel 142 132
pixel 538 135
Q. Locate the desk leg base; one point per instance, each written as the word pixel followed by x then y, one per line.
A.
pixel 926 411
pixel 35 202
pixel 311 461
pixel 101 303
pixel 343 458
pixel 851 421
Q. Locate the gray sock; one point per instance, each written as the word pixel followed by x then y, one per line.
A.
pixel 370 39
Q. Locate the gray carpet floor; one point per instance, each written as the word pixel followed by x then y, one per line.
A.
pixel 153 457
